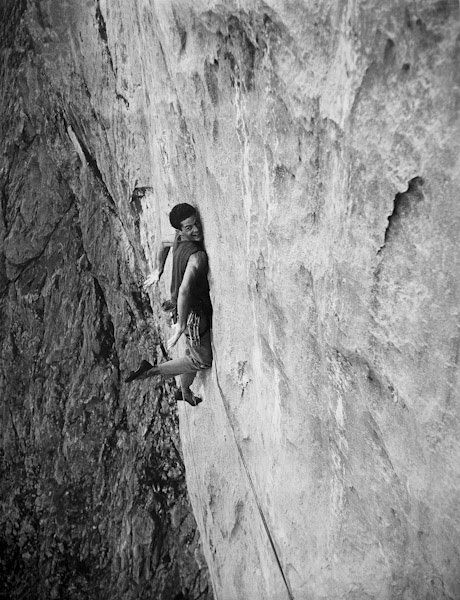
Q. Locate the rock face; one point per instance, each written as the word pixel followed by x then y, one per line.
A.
pixel 320 142
pixel 93 494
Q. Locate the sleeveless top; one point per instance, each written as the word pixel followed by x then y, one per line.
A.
pixel 200 302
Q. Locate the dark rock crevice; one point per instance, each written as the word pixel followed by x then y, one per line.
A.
pixel 123 99
pixel 181 30
pixel 239 51
pixel 102 28
pixel 105 329
pixel 403 205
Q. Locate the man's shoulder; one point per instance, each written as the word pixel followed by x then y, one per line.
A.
pixel 198 258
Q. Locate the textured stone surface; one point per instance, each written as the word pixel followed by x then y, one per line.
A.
pixel 320 142
pixel 93 496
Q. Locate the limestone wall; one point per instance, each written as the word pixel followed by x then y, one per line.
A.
pixel 320 142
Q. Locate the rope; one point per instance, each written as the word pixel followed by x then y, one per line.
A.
pixel 248 474
pixel 166 356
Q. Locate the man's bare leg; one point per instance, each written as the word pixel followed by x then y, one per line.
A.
pixel 183 366
pixel 180 366
pixel 171 368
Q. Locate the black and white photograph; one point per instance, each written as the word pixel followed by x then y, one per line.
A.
pixel 229 300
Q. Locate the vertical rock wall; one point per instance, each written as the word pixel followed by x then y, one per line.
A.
pixel 320 142
pixel 93 496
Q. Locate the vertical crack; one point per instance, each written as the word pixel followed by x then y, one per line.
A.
pixel 83 151
pixel 402 206
pixel 105 327
pixel 103 33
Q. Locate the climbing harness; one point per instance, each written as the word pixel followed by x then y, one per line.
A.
pixel 251 483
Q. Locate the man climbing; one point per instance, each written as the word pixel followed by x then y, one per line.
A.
pixel 190 302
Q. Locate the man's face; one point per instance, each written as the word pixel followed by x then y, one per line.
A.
pixel 190 229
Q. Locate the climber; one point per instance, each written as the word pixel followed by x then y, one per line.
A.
pixel 190 303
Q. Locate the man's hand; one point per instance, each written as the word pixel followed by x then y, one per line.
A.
pixel 177 332
pixel 152 279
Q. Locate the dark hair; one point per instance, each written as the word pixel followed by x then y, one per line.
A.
pixel 179 213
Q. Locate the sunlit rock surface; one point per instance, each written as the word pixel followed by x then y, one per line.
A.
pixel 320 142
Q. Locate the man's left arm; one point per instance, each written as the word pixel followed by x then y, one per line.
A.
pixel 196 264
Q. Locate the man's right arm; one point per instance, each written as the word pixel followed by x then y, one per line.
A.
pixel 160 260
pixel 161 257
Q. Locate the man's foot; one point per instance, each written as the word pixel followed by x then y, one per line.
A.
pixel 190 398
pixel 144 367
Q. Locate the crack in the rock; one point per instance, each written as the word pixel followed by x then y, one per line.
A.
pixel 92 162
pixel 103 34
pixel 180 30
pixel 123 99
pixel 6 182
pixel 106 330
pixel 403 203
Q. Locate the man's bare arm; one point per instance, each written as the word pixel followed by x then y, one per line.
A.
pixel 160 260
pixel 161 256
